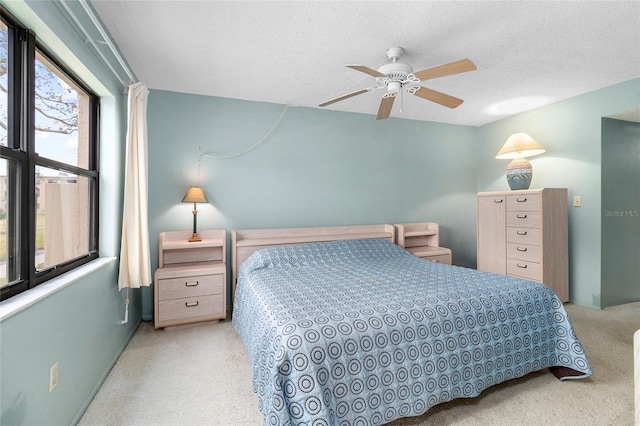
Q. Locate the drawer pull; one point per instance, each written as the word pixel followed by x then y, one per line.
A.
pixel 191 304
pixel 521 248
pixel 521 200
pixel 497 200
pixel 521 232
pixel 521 216
pixel 191 284
pixel 520 265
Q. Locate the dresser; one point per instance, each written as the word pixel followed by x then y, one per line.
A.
pixel 190 282
pixel 524 234
pixel 423 240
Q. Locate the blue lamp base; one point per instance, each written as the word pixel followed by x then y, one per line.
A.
pixel 519 174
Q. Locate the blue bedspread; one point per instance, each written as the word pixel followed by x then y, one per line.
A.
pixel 361 332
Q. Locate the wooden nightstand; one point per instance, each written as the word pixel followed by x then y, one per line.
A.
pixel 422 239
pixel 191 279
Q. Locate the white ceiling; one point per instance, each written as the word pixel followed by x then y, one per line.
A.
pixel 528 54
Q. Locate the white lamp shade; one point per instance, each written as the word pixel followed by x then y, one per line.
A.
pixel 519 145
pixel 194 194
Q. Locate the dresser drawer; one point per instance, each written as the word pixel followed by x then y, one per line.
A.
pixel 524 252
pixel 524 235
pixel 523 202
pixel 190 309
pixel 190 286
pixel 526 219
pixel 524 269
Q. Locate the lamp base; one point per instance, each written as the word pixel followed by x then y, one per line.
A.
pixel 194 237
pixel 519 174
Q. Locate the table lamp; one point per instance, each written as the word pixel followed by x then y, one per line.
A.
pixel 194 195
pixel 518 147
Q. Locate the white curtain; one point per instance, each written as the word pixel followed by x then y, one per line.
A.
pixel 135 265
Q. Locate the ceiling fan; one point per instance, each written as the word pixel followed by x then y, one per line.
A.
pixel 395 75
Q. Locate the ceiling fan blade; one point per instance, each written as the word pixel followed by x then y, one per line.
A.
pixel 451 68
pixel 435 96
pixel 367 70
pixel 347 96
pixel 385 105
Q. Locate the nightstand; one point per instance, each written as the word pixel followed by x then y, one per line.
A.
pixel 422 240
pixel 191 280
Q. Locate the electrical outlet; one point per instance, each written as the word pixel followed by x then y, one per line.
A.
pixel 53 376
pixel 577 201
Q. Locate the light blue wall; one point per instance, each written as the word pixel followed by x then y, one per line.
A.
pixel 327 168
pixel 571 133
pixel 317 168
pixel 620 212
pixel 78 326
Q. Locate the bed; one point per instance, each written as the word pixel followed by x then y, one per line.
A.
pixel 354 330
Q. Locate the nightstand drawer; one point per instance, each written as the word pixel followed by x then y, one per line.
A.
pixel 526 219
pixel 523 202
pixel 441 258
pixel 190 309
pixel 434 254
pixel 524 269
pixel 523 235
pixel 189 286
pixel 524 252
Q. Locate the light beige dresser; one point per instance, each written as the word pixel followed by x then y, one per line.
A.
pixel 525 234
pixel 190 282
pixel 423 240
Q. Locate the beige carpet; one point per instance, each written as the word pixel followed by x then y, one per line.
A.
pixel 200 375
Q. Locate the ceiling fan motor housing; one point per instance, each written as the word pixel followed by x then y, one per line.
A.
pixel 396 70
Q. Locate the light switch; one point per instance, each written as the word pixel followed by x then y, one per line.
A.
pixel 577 201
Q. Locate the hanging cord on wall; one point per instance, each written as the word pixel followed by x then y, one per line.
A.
pixel 219 156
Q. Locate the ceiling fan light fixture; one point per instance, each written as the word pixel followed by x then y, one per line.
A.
pixel 394 86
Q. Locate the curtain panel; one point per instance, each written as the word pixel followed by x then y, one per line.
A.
pixel 135 264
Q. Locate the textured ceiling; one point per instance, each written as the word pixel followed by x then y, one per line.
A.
pixel 528 54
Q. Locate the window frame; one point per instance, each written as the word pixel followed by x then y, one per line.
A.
pixel 21 197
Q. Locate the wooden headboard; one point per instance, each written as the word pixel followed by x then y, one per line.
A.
pixel 245 242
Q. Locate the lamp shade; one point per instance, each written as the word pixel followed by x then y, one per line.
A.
pixel 519 145
pixel 194 194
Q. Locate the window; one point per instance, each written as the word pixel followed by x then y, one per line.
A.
pixel 48 164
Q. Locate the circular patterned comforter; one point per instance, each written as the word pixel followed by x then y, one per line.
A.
pixel 361 332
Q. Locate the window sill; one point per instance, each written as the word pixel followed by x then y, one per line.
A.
pixel 22 301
